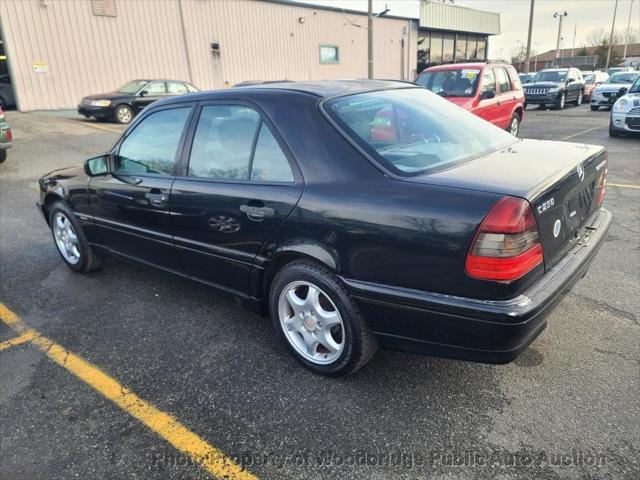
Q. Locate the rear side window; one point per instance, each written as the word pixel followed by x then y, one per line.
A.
pixel 223 142
pixel 269 162
pixel 503 79
pixel 411 131
pixel 153 144
pixel 451 83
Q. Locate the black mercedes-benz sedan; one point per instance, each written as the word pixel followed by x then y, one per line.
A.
pixel 355 213
pixel 126 102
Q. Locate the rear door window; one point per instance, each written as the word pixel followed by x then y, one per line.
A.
pixel 223 142
pixel 502 78
pixel 489 81
pixel 176 88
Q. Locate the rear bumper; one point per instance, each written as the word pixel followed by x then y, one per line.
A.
pixel 470 329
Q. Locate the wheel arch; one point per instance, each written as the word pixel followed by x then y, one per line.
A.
pixel 49 199
pixel 285 254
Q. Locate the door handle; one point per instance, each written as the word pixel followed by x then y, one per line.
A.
pixel 256 211
pixel 157 199
pixel 498 102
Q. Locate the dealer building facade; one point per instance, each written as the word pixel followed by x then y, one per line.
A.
pixel 57 51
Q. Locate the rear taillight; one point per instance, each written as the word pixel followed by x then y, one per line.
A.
pixel 507 245
pixel 8 135
pixel 601 186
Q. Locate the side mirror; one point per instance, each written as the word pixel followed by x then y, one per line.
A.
pixel 622 91
pixel 144 92
pixel 96 166
pixel 571 80
pixel 487 94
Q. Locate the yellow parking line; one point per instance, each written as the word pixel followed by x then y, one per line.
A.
pixel 166 426
pixel 100 127
pixel 24 338
pixel 622 185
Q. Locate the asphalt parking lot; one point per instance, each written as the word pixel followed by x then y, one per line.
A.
pixel 567 408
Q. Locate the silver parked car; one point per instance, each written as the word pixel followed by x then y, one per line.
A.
pixel 625 114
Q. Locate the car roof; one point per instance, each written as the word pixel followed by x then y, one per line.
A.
pixel 458 66
pixel 321 89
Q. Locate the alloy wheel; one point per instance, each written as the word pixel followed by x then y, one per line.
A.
pixel 123 114
pixel 66 238
pixel 311 322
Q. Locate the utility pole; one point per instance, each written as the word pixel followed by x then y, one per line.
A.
pixel 560 16
pixel 573 45
pixel 528 55
pixel 370 39
pixel 613 24
pixel 626 40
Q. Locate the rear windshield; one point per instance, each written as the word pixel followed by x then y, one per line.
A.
pixel 412 131
pixel 451 83
pixel 590 78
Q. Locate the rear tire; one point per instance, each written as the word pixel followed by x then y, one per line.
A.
pixel 3 155
pixel 595 108
pixel 299 319
pixel 70 240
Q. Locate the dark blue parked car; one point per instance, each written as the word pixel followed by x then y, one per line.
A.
pixel 356 213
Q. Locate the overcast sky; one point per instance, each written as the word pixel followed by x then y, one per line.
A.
pixel 584 15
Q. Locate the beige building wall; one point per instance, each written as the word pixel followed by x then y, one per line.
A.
pixel 60 51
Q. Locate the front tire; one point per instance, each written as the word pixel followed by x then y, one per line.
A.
pixel 123 114
pixel 319 322
pixel 561 103
pixel 595 108
pixel 70 240
pixel 612 131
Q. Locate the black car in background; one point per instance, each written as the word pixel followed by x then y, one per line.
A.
pixel 124 103
pixel 555 87
pixel 356 213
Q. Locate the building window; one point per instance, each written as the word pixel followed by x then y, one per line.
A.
pixel 329 54
pixel 482 48
pixel 447 47
pixel 436 48
pixel 424 50
pixel 104 8
pixel 461 47
pixel 472 47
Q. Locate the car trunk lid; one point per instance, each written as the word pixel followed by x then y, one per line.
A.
pixel 560 180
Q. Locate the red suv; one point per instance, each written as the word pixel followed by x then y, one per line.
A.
pixel 490 90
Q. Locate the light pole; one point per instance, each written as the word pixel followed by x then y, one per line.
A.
pixel 370 40
pixel 626 40
pixel 560 16
pixel 535 63
pixel 528 56
pixel 613 24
